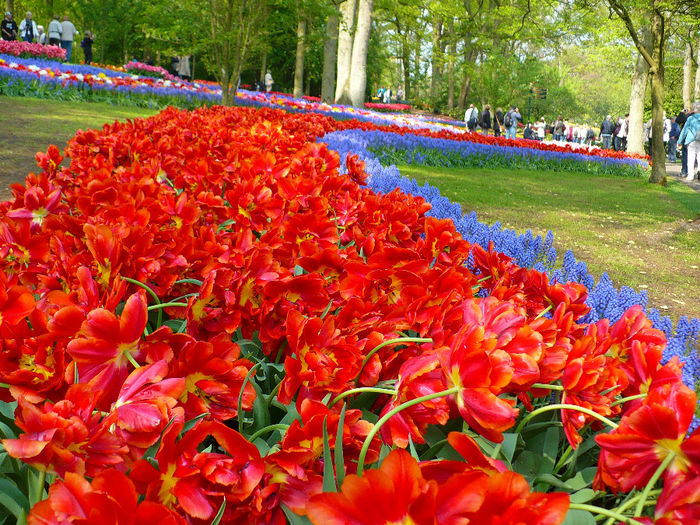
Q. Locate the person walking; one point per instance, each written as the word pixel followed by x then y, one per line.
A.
pixel 511 122
pixel 86 44
pixel 559 128
pixel 498 123
pixel 673 139
pixel 606 132
pixel 8 27
pixel 183 68
pixel 471 117
pixel 67 35
pixel 622 134
pixel 41 37
pixel 27 28
pixel 269 81
pixel 541 129
pixel 55 30
pixel 690 137
pixel 485 120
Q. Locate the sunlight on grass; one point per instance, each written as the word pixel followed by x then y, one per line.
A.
pixel 640 234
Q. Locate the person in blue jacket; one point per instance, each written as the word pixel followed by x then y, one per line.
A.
pixel 690 138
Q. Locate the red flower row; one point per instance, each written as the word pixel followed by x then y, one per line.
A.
pixel 243 230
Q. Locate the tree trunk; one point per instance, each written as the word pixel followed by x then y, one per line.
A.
pixel 10 6
pixel 437 61
pixel 346 34
pixel 687 75
pixel 696 95
pixel 464 92
pixel 360 45
pixel 637 96
pixel 301 50
pixel 330 52
pixel 451 65
pixel 263 67
pixel 656 71
pixel 406 61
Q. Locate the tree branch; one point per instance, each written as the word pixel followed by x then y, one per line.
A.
pixel 624 15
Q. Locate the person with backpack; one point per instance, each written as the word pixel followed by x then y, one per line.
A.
pixel 485 120
pixel 510 121
pixel 606 132
pixel 86 44
pixel 471 117
pixel 690 138
pixel 559 128
pixel 498 125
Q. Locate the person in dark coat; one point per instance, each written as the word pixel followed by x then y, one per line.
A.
pixel 497 122
pixel 485 120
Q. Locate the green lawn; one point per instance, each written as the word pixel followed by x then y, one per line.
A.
pixel 29 125
pixel 645 236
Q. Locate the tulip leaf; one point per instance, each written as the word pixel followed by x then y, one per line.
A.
pixel 583 496
pixel 328 475
pixel 7 432
pixel 294 519
pixel 8 409
pixel 412 448
pixel 339 459
pixel 510 441
pixel 191 423
pixel 261 414
pixel 220 514
pixel 13 499
pixel 579 517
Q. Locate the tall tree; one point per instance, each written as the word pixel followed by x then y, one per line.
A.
pixel 360 45
pixel 687 74
pixel 346 35
pixel 330 50
pixel 696 91
pixel 301 51
pixel 640 80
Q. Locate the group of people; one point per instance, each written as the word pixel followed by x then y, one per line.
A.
pixel 497 121
pixel 59 34
pixel 266 83
pixel 384 95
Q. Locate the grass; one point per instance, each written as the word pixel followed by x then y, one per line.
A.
pixel 29 125
pixel 645 236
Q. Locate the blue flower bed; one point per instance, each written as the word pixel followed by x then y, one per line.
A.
pixel 392 148
pixel 605 300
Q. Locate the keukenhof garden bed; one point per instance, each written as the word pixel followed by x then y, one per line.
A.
pixel 240 315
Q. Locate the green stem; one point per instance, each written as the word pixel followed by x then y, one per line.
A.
pixel 152 294
pixel 562 460
pixel 269 428
pixel 131 360
pixel 391 342
pixel 378 425
pixel 605 512
pixel 547 387
pixel 654 478
pixel 629 398
pixel 564 406
pixel 164 305
pixel 360 390
pixel 627 504
pixel 4 385
pixel 543 312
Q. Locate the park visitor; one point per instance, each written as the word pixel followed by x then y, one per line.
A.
pixel 27 28
pixel 498 122
pixel 680 119
pixel 690 138
pixel 41 37
pixel 8 27
pixel 387 96
pixel 511 122
pixel 55 30
pixel 622 133
pixel 269 81
pixel 541 129
pixel 86 44
pixel 67 34
pixel 485 121
pixel 559 129
pixel 528 133
pixel 471 117
pixel 399 95
pixel 673 140
pixel 183 67
pixel 606 132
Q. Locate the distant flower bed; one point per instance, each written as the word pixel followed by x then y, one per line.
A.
pixel 146 70
pixel 311 99
pixel 27 50
pixel 391 108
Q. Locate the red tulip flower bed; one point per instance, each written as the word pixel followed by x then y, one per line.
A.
pixel 204 322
